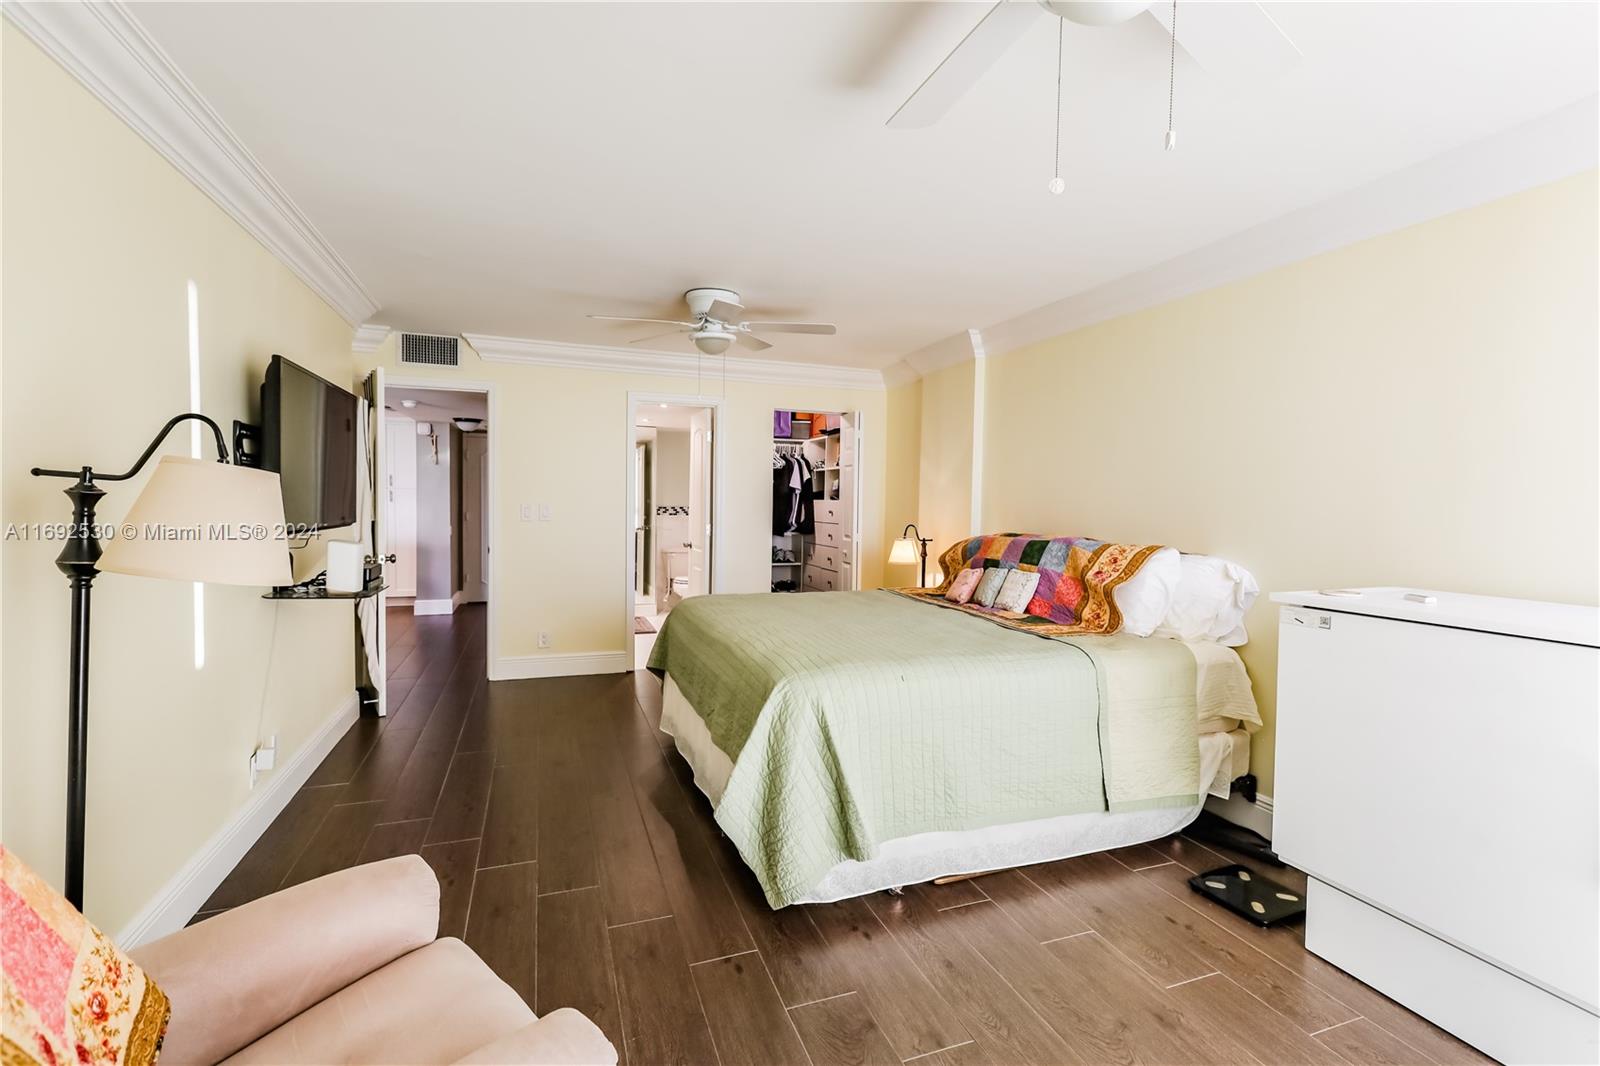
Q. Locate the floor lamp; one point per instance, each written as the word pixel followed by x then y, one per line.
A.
pixel 905 550
pixel 194 521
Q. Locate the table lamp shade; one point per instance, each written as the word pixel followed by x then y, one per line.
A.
pixel 201 520
pixel 904 551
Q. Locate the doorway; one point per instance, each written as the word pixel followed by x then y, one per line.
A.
pixel 816 495
pixel 672 488
pixel 436 503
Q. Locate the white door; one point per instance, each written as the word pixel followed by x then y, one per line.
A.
pixel 474 528
pixel 374 620
pixel 400 497
pixel 700 517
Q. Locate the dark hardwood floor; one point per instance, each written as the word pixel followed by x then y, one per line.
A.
pixel 575 855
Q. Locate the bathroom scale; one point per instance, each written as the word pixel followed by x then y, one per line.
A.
pixel 1249 895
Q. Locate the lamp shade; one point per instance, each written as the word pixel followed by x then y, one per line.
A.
pixel 904 551
pixel 200 520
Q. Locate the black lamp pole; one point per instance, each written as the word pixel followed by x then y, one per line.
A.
pixel 79 560
pixel 922 543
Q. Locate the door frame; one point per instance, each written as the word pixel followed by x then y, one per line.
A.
pixel 482 509
pixel 491 522
pixel 718 482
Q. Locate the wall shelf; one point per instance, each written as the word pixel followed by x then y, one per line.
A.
pixel 297 592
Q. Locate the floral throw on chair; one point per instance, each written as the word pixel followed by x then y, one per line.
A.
pixel 70 997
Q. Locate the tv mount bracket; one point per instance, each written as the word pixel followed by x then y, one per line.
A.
pixel 246 444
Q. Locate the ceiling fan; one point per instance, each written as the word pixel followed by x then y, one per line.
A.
pixel 1236 38
pixel 718 321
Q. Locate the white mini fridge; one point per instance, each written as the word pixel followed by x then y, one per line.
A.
pixel 1437 778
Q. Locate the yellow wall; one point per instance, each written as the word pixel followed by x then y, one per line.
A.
pixel 561 437
pixel 1417 409
pixel 101 238
pixel 902 475
pixel 945 498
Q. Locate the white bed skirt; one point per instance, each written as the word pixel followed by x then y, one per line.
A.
pixel 914 859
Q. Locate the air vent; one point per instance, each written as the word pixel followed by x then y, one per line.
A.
pixel 424 349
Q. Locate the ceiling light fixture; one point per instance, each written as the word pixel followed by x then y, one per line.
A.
pixel 711 340
pixel 408 404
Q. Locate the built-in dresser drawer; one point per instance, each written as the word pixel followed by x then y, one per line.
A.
pixel 828 535
pixel 821 555
pixel 829 511
pixel 821 580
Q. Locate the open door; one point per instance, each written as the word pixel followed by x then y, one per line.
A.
pixel 700 518
pixel 372 658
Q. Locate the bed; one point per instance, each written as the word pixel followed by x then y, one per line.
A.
pixel 856 741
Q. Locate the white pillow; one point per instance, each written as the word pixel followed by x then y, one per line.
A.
pixel 1146 597
pixel 1210 601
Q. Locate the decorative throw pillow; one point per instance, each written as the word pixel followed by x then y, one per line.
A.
pixel 989 586
pixel 70 997
pixel 963 586
pixel 1017 590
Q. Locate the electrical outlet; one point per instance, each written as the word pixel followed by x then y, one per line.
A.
pixel 264 758
pixel 546 512
pixel 544 640
pixel 527 512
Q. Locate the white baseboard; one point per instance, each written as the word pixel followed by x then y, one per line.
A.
pixel 172 907
pixel 457 598
pixel 516 668
pixel 433 607
pixel 1239 811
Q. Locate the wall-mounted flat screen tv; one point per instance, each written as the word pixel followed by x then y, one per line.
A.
pixel 308 436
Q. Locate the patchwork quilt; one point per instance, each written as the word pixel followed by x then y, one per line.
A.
pixel 1076 576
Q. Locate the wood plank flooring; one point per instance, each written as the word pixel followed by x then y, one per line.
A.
pixel 575 855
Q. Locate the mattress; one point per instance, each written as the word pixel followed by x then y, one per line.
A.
pixel 924 856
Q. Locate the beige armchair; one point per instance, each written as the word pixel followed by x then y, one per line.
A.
pixel 346 969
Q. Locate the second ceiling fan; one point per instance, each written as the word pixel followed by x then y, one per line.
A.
pixel 717 321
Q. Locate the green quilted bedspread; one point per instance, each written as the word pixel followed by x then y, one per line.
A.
pixel 858 717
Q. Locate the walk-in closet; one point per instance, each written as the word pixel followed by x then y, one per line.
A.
pixel 814 506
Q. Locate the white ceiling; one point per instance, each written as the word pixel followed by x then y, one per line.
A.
pixel 506 169
pixel 657 416
pixel 439 405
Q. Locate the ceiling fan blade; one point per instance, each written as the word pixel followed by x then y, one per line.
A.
pixel 626 318
pixel 755 344
pixel 825 328
pixel 1234 40
pixel 977 52
pixel 723 311
pixel 658 336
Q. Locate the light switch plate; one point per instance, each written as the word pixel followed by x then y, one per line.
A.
pixel 546 512
pixel 527 512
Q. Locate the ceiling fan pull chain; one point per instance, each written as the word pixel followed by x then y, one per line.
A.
pixel 1057 185
pixel 1172 77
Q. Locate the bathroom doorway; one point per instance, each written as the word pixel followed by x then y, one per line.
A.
pixel 671 489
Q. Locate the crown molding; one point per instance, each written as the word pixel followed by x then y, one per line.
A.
pixel 899 373
pixel 369 337
pixel 669 364
pixel 105 48
pixel 1546 149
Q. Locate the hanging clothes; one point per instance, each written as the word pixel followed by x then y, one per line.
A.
pixel 793 497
